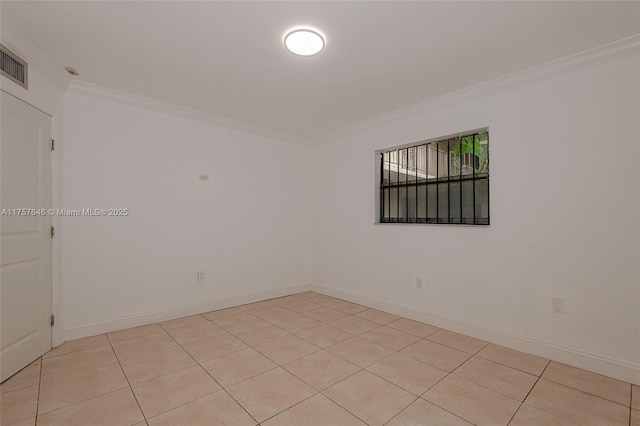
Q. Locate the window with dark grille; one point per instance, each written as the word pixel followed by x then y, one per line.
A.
pixel 444 180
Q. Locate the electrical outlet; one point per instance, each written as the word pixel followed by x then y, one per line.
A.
pixel 557 305
pixel 419 285
pixel 201 275
pixel 204 178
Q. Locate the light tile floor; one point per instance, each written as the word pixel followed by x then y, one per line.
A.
pixel 305 359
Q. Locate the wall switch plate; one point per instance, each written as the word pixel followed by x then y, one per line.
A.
pixel 201 275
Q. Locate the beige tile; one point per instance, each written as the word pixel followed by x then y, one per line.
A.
pixel 591 383
pixel 472 402
pixel 143 345
pixel 259 305
pixel 18 405
pixel 515 359
pixel 111 409
pixel 457 341
pixel 442 357
pixel 270 393
pixel 259 333
pixel 315 411
pixel 323 335
pixel 373 400
pixel 146 367
pixel 183 322
pixel 325 314
pixel 133 333
pixel 290 298
pixel 348 307
pixel 635 418
pixel 377 316
pixel 354 325
pixel 27 422
pixel 213 347
pixel 323 300
pixel 506 380
pixel 359 351
pixel 296 323
pixel 423 413
pixel 81 360
pixel 306 295
pixel 217 409
pixel 635 397
pixel 390 338
pixel 238 366
pixel 576 406
pixel 164 393
pixel 413 327
pixel 408 373
pixel 222 313
pixel 240 320
pixel 193 333
pixel 286 319
pixel 274 313
pixel 531 416
pixel 286 348
pixel 78 345
pixel 77 376
pixel 27 377
pixel 301 305
pixel 321 369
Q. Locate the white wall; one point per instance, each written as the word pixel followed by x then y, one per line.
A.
pixel 565 215
pixel 248 227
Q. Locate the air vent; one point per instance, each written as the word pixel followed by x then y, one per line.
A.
pixel 12 67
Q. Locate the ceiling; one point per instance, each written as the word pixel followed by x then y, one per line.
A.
pixel 228 59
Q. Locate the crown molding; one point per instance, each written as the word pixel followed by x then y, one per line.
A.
pixel 588 58
pixel 569 64
pixel 130 99
pixel 33 56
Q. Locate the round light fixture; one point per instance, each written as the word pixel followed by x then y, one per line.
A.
pixel 304 42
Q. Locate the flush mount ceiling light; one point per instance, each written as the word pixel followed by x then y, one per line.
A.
pixel 304 42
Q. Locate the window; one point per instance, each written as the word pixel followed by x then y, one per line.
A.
pixel 443 180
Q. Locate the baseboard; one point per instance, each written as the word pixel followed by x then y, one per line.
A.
pixel 94 329
pixel 617 369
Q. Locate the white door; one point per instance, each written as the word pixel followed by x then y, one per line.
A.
pixel 25 256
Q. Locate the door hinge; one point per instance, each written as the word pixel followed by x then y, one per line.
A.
pixel 53 232
pixel 53 320
pixel 53 144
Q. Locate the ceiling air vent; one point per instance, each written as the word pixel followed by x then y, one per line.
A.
pixel 12 67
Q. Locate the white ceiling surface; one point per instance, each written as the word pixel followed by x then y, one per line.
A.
pixel 227 58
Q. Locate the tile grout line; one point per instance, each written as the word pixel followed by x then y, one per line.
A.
pixel 321 349
pixel 576 390
pixel 531 390
pixel 323 322
pixel 505 365
pixel 287 409
pixel 126 378
pixel 630 404
pixel 370 372
pixel 585 392
pixel 435 384
pixel 38 397
pixel 212 378
pixel 494 390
